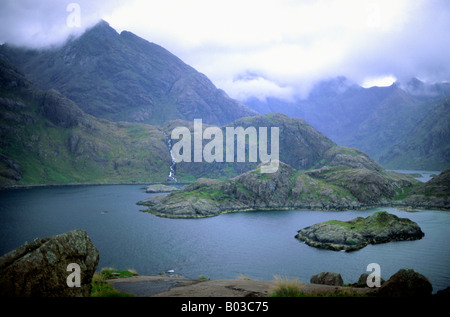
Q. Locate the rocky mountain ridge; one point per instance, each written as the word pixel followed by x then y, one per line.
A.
pixel 403 126
pixel 122 77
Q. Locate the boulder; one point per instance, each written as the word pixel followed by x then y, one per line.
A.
pixel 362 281
pixel 40 268
pixel 443 292
pixel 406 283
pixel 327 278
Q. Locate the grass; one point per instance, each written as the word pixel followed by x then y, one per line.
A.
pixel 292 288
pixel 287 288
pixel 101 288
pixel 375 221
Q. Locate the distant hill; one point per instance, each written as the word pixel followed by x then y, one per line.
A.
pixel 427 145
pixel 375 120
pixel 300 145
pixel 122 77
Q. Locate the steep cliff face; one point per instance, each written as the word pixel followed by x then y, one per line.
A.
pixel 122 77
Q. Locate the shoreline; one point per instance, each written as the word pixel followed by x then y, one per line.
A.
pixel 84 184
pixel 407 208
pixel 25 186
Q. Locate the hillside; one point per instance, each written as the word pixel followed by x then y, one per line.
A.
pixel 300 145
pixel 427 144
pixel 384 122
pixel 122 77
pixel 47 139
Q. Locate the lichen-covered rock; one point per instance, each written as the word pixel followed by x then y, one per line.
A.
pixel 362 281
pixel 40 268
pixel 327 278
pixel 380 227
pixel 406 283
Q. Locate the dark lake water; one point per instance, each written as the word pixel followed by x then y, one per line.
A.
pixel 259 245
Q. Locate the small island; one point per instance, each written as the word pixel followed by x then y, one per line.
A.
pixel 380 227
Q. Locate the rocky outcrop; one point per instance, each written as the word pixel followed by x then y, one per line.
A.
pixel 433 194
pixel 362 281
pixel 328 188
pixel 160 188
pixel 406 283
pixel 60 110
pixel 380 227
pixel 40 268
pixel 327 278
pixel 366 185
pixel 344 156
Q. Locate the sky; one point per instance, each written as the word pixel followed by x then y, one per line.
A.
pixel 262 48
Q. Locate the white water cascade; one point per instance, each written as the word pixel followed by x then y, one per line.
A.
pixel 171 177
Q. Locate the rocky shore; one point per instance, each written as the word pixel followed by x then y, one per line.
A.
pixel 380 227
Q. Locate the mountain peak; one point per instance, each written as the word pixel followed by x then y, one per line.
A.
pixel 101 28
pixel 333 86
pixel 416 87
pixel 126 78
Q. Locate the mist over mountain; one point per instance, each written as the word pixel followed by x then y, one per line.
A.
pixel 377 119
pixel 122 77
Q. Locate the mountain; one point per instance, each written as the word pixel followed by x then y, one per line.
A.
pixel 45 138
pixel 300 145
pixel 427 145
pixel 374 120
pixel 122 77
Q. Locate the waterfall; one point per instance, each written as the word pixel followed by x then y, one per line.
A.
pixel 171 176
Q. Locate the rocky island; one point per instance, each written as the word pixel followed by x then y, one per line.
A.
pixel 380 227
pixel 327 188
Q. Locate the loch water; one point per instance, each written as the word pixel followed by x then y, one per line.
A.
pixel 259 245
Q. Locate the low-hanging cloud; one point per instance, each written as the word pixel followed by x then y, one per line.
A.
pixel 286 45
pixel 43 23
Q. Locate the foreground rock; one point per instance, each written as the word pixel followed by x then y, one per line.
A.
pixel 380 227
pixel 327 278
pixel 39 268
pixel 406 283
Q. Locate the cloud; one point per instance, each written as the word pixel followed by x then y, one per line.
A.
pixel 48 22
pixel 289 44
